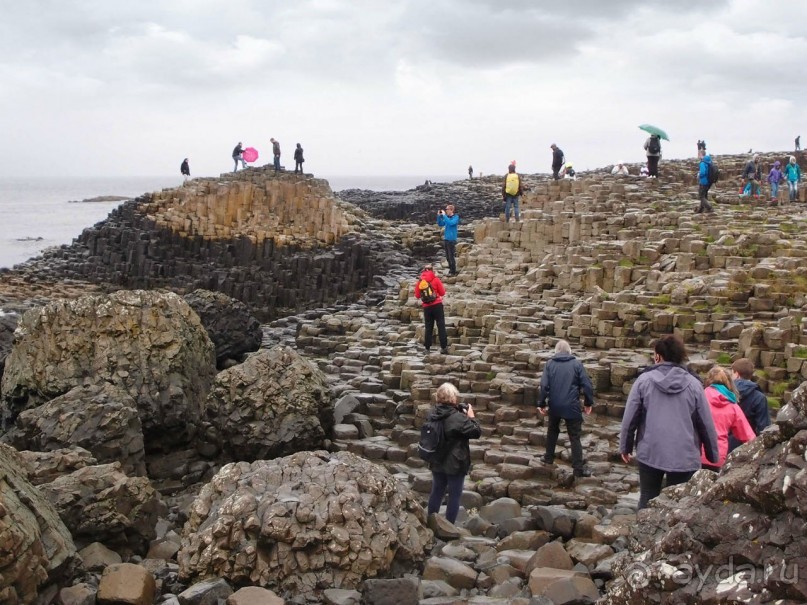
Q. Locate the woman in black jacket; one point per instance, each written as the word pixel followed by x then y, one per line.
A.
pixel 459 425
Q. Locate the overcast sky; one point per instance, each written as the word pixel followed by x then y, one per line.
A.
pixel 408 87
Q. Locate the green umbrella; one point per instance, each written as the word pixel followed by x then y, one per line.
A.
pixel 654 130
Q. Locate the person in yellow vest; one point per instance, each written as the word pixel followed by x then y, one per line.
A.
pixel 511 191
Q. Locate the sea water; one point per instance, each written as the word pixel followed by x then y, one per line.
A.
pixel 37 213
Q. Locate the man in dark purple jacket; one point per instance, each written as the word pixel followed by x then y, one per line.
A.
pixel 561 382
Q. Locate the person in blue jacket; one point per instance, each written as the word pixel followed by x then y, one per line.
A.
pixel 449 221
pixel 753 401
pixel 703 185
pixel 561 382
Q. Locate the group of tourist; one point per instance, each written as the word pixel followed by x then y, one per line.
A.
pixel 675 423
pixel 238 156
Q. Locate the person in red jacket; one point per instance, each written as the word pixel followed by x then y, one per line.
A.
pixel 728 417
pixel 430 291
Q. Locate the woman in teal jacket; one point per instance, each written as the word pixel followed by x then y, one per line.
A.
pixel 793 175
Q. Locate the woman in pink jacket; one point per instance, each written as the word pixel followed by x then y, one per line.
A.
pixel 727 415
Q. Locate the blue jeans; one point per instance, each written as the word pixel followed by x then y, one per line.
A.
pixel 236 159
pixel 774 190
pixel 510 199
pixel 455 484
pixel 277 163
pixel 793 190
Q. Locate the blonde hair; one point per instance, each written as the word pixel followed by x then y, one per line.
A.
pixel 447 393
pixel 718 375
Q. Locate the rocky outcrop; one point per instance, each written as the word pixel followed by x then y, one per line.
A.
pixel 101 418
pixel 150 344
pixel 301 523
pixel 229 324
pixel 734 537
pixel 101 504
pixel 275 403
pixel 35 546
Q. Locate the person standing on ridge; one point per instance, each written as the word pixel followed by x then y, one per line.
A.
pixel 669 421
pixel 653 148
pixel 753 401
pixel 775 176
pixel 459 425
pixel 298 158
pixel 238 157
pixel 701 149
pixel 511 190
pixel 704 183
pixel 276 153
pixel 562 380
pixel 558 160
pixel 449 221
pixel 185 169
pixel 798 143
pixel 752 175
pixel 470 172
pixel 430 291
pixel 793 175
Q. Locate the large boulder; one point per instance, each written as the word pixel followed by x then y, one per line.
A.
pixel 44 467
pixel 734 537
pixel 35 546
pixel 301 523
pixel 101 418
pixel 151 344
pixel 230 324
pixel 101 504
pixel 275 403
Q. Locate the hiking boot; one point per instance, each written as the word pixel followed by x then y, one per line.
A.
pixel 546 461
pixel 443 351
pixel 582 473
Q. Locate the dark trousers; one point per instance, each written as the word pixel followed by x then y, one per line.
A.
pixel 652 165
pixel 650 480
pixel 451 249
pixel 556 171
pixel 454 483
pixel 574 428
pixel 298 166
pixel 703 192
pixel 431 315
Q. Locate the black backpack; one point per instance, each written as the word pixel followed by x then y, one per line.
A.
pixel 714 174
pixel 427 293
pixel 432 437
pixel 654 146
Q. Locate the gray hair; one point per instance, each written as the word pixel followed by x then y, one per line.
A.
pixel 447 393
pixel 563 348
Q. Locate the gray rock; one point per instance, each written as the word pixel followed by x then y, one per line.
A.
pixel 97 557
pixel 229 324
pixel 500 510
pixel 275 403
pixel 101 504
pixel 340 596
pixel 205 593
pixel 296 523
pixel 150 344
pixel 101 418
pixel 37 547
pixel 398 591
pixel 457 574
pixel 44 467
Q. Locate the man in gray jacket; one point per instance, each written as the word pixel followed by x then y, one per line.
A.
pixel 561 382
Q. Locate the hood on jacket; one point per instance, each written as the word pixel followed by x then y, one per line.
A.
pixel 719 396
pixel 776 164
pixel 668 377
pixel 707 159
pixel 746 387
pixel 428 275
pixel 441 411
pixel 564 357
